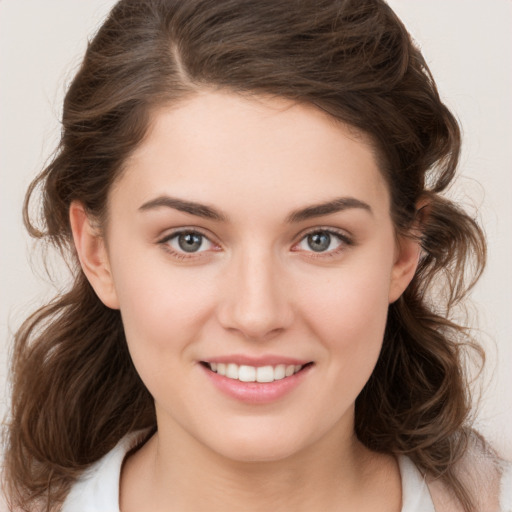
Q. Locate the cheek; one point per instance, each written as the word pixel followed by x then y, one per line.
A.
pixel 348 315
pixel 164 314
pixel 351 330
pixel 351 303
pixel 162 307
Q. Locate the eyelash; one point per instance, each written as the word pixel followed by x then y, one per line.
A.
pixel 345 241
pixel 182 255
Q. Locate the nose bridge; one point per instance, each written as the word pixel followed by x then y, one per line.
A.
pixel 257 303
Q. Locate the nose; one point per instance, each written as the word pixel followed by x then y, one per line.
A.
pixel 256 302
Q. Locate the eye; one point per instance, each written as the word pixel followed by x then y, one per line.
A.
pixel 323 241
pixel 188 242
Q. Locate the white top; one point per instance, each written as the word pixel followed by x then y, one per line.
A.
pixel 98 488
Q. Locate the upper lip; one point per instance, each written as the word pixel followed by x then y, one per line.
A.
pixel 265 360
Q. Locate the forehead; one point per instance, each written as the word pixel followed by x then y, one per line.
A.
pixel 221 147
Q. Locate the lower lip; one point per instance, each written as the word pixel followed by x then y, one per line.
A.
pixel 257 392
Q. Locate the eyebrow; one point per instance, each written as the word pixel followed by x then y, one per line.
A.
pixel 334 206
pixel 197 209
pixel 207 212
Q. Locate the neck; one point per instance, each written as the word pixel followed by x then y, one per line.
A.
pixel 334 473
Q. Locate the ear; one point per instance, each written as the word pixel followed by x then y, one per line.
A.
pixel 406 262
pixel 92 253
pixel 408 251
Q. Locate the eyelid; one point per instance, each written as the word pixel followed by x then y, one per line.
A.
pixel 342 235
pixel 183 229
pixel 163 241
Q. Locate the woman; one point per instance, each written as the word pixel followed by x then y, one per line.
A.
pixel 252 195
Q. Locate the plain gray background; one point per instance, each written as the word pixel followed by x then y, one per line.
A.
pixel 468 45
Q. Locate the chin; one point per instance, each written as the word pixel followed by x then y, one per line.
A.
pixel 255 452
pixel 259 444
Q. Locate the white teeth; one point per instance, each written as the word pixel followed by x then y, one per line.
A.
pixel 232 371
pixel 265 374
pixel 246 373
pixel 279 372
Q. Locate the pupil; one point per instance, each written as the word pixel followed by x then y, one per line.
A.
pixel 319 241
pixel 190 242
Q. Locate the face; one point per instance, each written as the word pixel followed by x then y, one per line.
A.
pixel 251 237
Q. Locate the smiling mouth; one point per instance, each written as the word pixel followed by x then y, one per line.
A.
pixel 262 374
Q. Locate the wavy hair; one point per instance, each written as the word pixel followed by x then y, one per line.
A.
pixel 75 391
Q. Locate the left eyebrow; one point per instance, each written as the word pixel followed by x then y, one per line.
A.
pixel 191 207
pixel 334 206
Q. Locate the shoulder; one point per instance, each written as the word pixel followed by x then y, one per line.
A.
pixel 486 476
pixel 97 490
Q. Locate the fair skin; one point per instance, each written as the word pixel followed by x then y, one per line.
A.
pixel 256 278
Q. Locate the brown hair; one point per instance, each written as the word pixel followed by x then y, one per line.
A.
pixel 75 390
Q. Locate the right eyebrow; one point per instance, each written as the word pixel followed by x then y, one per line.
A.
pixel 335 205
pixel 200 210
